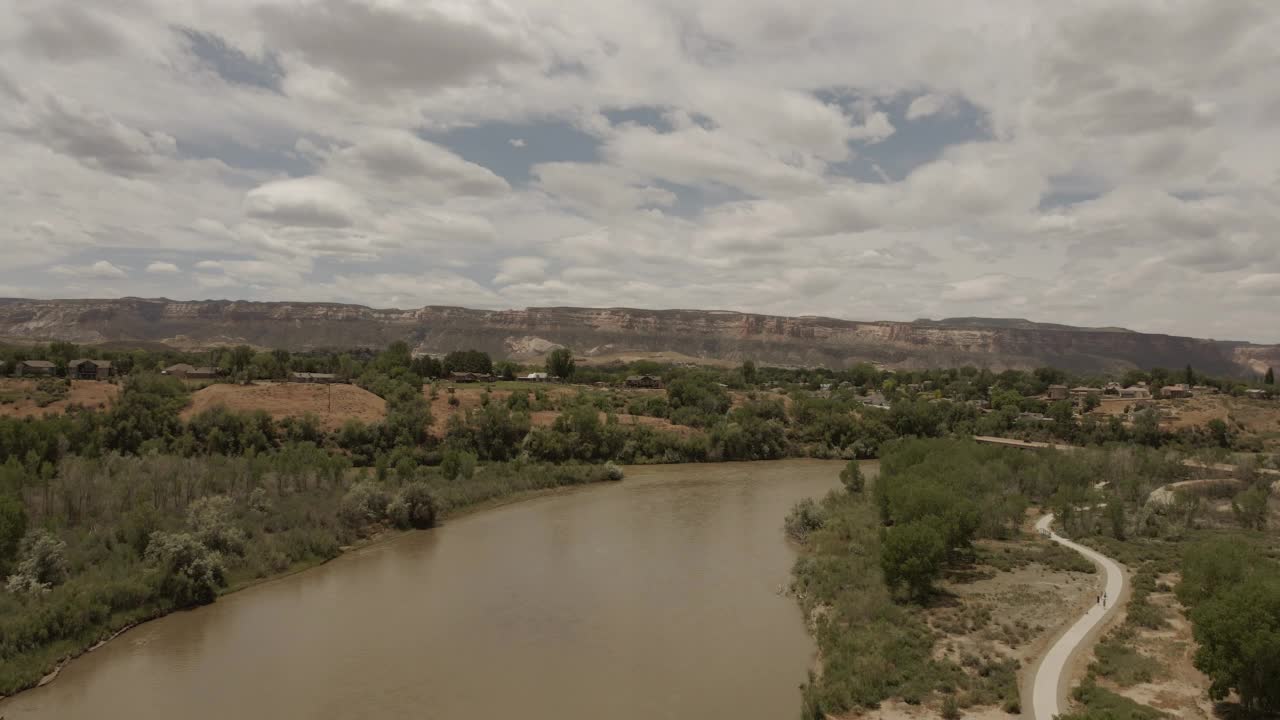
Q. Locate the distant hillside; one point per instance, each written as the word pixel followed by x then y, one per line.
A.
pixel 811 341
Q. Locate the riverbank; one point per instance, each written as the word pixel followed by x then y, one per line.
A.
pixel 40 663
pixel 613 600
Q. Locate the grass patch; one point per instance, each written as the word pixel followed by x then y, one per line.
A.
pixel 1102 704
pixel 1117 660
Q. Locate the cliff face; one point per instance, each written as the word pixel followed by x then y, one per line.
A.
pixel 997 344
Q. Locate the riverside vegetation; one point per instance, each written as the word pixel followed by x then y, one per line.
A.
pixel 111 517
pixel 871 561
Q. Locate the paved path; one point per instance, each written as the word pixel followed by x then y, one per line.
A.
pixel 1049 689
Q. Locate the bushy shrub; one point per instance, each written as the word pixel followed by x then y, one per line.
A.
pixel 210 519
pixel 805 517
pixel 364 504
pixel 43 563
pixel 189 573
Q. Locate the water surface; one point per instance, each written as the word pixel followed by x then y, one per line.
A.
pixel 656 597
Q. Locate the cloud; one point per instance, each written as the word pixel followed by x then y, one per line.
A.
pixel 97 139
pixel 927 105
pixel 68 32
pixel 393 156
pixel 162 268
pixel 1091 162
pixel 100 270
pixel 514 270
pixel 1261 284
pixel 304 202
pixel 385 48
pixel 980 289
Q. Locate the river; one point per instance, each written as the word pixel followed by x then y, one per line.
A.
pixel 656 597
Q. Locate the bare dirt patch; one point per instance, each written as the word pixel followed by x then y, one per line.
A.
pixel 23 397
pixel 1179 689
pixel 333 405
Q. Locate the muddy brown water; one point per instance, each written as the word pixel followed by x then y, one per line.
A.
pixel 656 597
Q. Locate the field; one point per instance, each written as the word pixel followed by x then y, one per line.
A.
pixel 1258 418
pixel 333 405
pixel 23 398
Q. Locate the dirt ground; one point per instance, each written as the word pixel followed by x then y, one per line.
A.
pixel 89 393
pixel 999 614
pixel 1181 690
pixel 1251 417
pixel 281 400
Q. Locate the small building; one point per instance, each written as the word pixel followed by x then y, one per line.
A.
pixel 35 368
pixel 1181 390
pixel 1083 392
pixel 86 369
pixel 1057 392
pixel 1135 392
pixel 875 399
pixel 470 377
pixel 311 377
pixel 180 371
pixel 644 381
pixel 1204 390
pixel 535 377
pixel 1256 394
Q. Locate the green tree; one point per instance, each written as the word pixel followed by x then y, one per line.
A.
pixel 1220 432
pixel 1116 519
pixel 1189 377
pixel 458 465
pixel 13 525
pixel 851 477
pixel 749 372
pixel 241 356
pixel 1250 507
pixel 1270 377
pixel 1146 428
pixel 560 363
pixel 1239 634
pixel 911 555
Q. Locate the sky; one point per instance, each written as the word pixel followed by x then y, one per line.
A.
pixel 1097 162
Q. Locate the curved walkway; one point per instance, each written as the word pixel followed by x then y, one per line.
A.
pixel 1049 688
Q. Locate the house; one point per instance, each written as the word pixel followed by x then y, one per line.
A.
pixel 311 377
pixel 1181 390
pixel 86 369
pixel 875 399
pixel 1057 392
pixel 644 381
pixel 1083 392
pixel 35 368
pixel 535 377
pixel 470 377
pixel 1135 392
pixel 1256 394
pixel 180 370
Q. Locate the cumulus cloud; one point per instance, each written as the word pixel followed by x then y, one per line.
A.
pixel 381 47
pixel 1094 162
pixel 304 202
pixel 100 270
pixel 514 270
